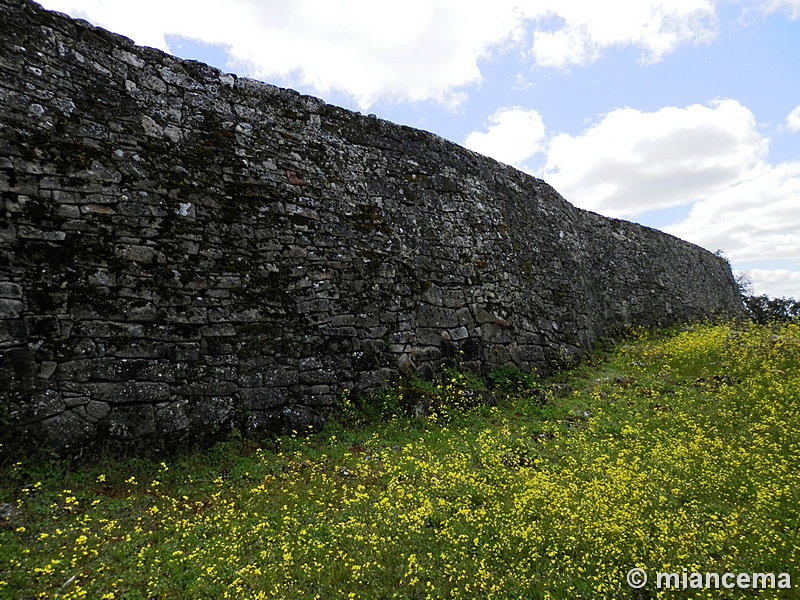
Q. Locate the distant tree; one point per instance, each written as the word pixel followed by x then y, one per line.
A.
pixel 743 283
pixel 763 309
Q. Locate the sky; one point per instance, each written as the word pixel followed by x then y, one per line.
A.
pixel 682 115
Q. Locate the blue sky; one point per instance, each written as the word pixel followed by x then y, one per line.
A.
pixel 683 115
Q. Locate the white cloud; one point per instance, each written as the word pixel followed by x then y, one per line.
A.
pixel 754 220
pixel 402 51
pixel 405 51
pixel 792 6
pixel 712 158
pixel 589 27
pixel 793 120
pixel 633 162
pixel 514 136
pixel 145 21
pixel 778 283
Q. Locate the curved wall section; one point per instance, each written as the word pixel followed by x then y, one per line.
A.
pixel 183 251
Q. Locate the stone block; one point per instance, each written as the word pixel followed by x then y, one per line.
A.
pixel 10 290
pixel 31 233
pixel 108 329
pixel 187 352
pixel 47 369
pixel 172 418
pixel 436 317
pixel 130 422
pixel 427 353
pixel 319 376
pixel 309 364
pixel 497 334
pixel 127 392
pixel 210 414
pixel 135 348
pixel 482 315
pixel 459 333
pixel 97 410
pixel 8 232
pixel 218 330
pixel 373 333
pixel 141 254
pixel 427 337
pixel 39 406
pixel 71 401
pixel 64 431
pixel 10 309
pixel 280 376
pixel 300 419
pixel 12 332
pixel 207 388
pixel 262 398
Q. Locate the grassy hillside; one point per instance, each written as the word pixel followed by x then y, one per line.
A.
pixel 674 452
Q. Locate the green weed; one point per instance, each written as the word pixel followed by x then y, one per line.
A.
pixel 674 452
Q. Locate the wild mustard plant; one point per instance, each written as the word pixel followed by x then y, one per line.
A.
pixel 677 452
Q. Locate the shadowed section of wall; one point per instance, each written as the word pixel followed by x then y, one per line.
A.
pixel 183 252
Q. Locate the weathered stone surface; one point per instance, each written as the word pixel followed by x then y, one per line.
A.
pixel 62 432
pixel 128 392
pixel 262 398
pixel 209 415
pixel 130 422
pixel 173 418
pixel 39 406
pixel 184 251
pixel 97 410
pixel 10 290
pixel 10 309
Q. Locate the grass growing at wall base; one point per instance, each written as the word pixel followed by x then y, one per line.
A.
pixel 675 452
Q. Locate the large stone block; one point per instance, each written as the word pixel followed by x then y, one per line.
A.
pixel 10 309
pixel 210 414
pixel 128 392
pixel 39 406
pixel 62 432
pixel 130 422
pixel 263 398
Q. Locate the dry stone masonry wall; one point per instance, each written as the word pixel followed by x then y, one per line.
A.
pixel 183 251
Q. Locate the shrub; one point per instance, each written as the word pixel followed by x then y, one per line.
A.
pixel 511 379
pixel 763 309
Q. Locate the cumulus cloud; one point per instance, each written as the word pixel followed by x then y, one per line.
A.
pixel 633 162
pixel 754 220
pixel 514 136
pixel 402 51
pixel 145 22
pixel 588 28
pixel 790 6
pixel 793 120
pixel 778 283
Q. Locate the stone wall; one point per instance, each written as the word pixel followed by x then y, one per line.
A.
pixel 183 251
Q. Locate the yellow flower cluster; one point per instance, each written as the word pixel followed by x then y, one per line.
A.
pixel 678 452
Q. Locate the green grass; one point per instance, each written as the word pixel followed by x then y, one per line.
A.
pixel 670 452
